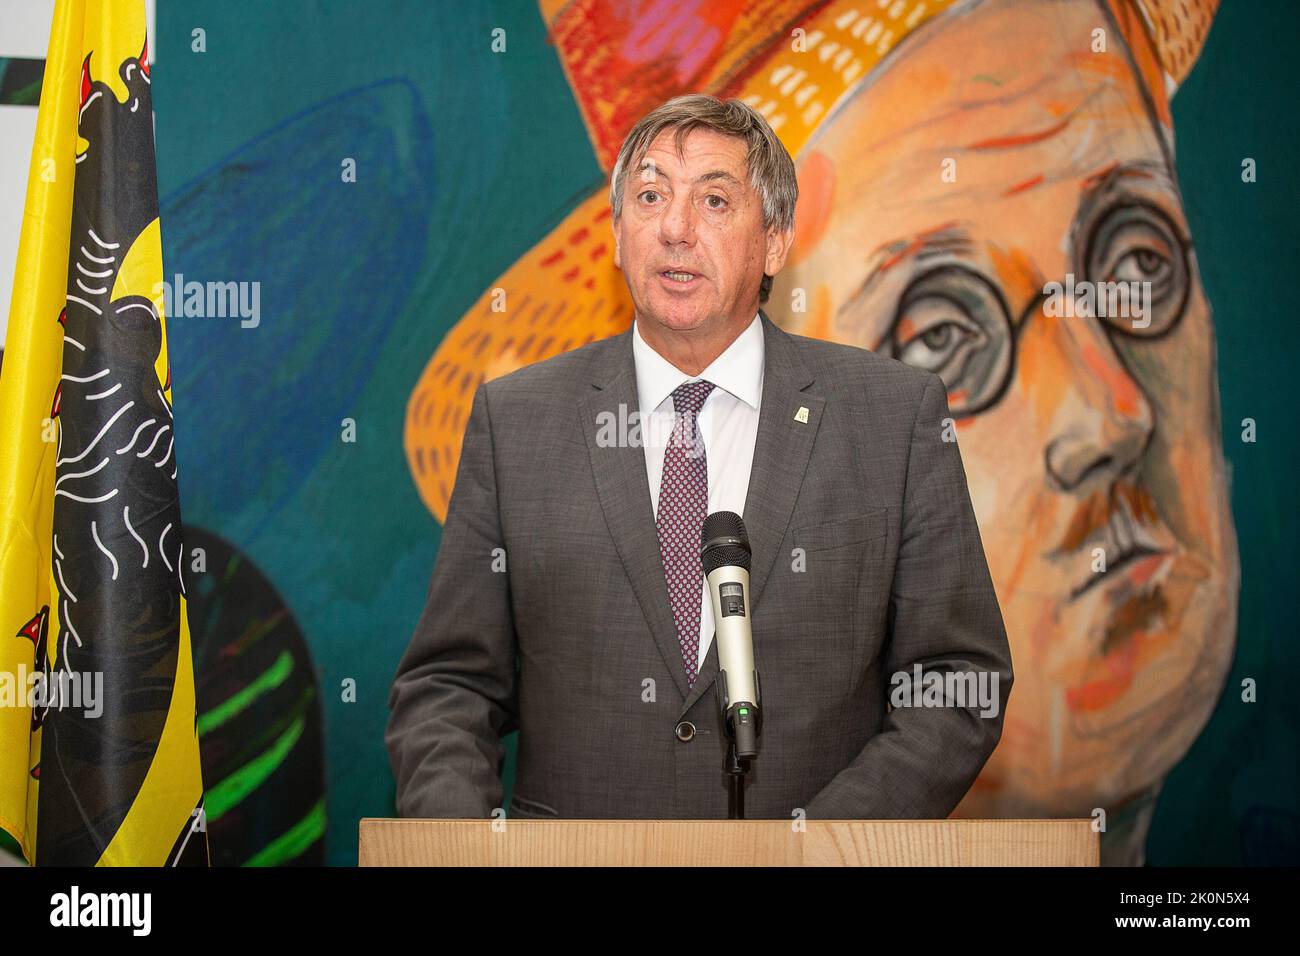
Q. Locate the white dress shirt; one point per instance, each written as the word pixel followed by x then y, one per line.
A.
pixel 728 423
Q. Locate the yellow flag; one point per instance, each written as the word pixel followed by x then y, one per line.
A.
pixel 99 758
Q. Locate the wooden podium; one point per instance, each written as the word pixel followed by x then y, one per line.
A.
pixel 728 843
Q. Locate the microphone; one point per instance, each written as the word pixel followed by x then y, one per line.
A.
pixel 725 554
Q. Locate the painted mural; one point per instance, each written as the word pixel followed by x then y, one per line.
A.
pixel 972 175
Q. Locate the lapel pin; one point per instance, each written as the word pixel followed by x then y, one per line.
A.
pixel 801 416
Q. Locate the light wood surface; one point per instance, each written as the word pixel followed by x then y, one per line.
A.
pixel 728 843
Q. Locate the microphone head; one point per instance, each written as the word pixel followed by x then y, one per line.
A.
pixel 724 542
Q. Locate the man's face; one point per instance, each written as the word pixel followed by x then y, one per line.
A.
pixel 694 213
pixel 996 155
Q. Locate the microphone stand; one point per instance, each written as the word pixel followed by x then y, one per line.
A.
pixel 734 766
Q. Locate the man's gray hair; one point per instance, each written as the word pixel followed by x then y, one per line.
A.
pixel 771 170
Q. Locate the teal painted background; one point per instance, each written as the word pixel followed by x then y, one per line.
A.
pixel 339 529
pixel 1239 102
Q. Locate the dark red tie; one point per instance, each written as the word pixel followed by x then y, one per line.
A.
pixel 683 505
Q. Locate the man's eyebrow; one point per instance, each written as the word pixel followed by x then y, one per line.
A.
pixel 711 176
pixel 946 239
pixel 1112 175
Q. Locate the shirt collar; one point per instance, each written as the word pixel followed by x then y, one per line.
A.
pixel 738 370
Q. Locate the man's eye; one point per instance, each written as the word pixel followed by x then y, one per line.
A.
pixel 1135 242
pixel 722 203
pixel 953 322
pixel 1142 265
pixel 941 347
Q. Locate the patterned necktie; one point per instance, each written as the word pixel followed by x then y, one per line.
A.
pixel 683 505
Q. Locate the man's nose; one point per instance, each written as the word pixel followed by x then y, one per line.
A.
pixel 1100 419
pixel 677 224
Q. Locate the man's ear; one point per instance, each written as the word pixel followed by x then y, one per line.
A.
pixel 778 248
pixel 618 261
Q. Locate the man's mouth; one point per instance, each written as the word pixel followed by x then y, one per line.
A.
pixel 682 276
pixel 1129 542
pixel 1145 561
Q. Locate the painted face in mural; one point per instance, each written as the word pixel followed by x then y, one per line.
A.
pixel 996 155
pixel 698 213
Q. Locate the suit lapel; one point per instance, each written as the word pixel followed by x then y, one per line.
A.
pixel 620 473
pixel 782 449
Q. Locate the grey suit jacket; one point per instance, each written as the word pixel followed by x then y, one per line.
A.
pixel 548 611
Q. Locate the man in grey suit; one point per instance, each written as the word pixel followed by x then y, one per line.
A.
pixel 567 600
